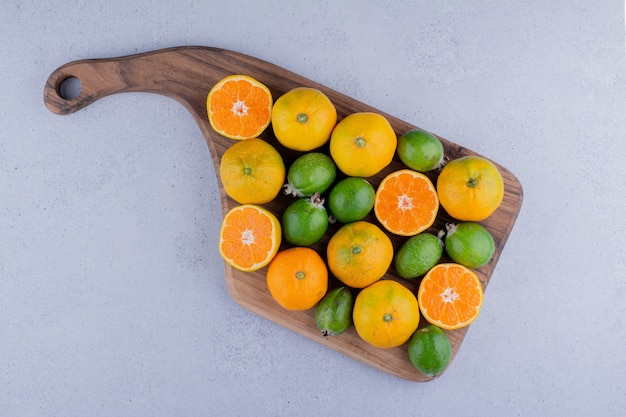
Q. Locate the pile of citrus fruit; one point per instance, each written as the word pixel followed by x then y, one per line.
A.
pixel 330 246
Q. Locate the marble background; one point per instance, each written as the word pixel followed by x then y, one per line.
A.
pixel 112 294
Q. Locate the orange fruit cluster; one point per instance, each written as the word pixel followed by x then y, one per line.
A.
pixel 359 254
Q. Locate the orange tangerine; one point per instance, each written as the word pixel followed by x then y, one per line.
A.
pixel 239 107
pixel 359 254
pixel 252 172
pixel 249 237
pixel 297 278
pixel 363 144
pixel 406 202
pixel 386 314
pixel 303 118
pixel 470 188
pixel 450 296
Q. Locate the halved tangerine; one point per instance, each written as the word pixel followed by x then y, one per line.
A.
pixel 450 296
pixel 406 202
pixel 239 107
pixel 249 237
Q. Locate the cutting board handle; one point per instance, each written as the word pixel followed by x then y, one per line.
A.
pixel 97 78
pixel 184 73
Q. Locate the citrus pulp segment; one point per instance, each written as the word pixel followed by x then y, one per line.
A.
pixel 406 202
pixel 450 296
pixel 239 107
pixel 249 237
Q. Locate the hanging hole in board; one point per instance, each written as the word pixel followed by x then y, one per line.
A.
pixel 70 88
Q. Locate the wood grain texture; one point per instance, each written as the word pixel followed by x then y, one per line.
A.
pixel 186 74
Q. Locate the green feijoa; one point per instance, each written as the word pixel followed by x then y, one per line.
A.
pixel 469 244
pixel 430 350
pixel 311 173
pixel 305 221
pixel 333 315
pixel 417 255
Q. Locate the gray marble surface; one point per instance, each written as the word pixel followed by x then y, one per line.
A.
pixel 112 294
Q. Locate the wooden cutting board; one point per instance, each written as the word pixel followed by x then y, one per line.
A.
pixel 186 74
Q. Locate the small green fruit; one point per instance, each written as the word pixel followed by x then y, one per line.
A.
pixel 305 221
pixel 430 350
pixel 333 315
pixel 309 174
pixel 420 150
pixel 417 255
pixel 469 244
pixel 351 199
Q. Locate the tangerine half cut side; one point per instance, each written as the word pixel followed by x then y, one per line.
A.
pixel 406 202
pixel 450 296
pixel 239 107
pixel 249 237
